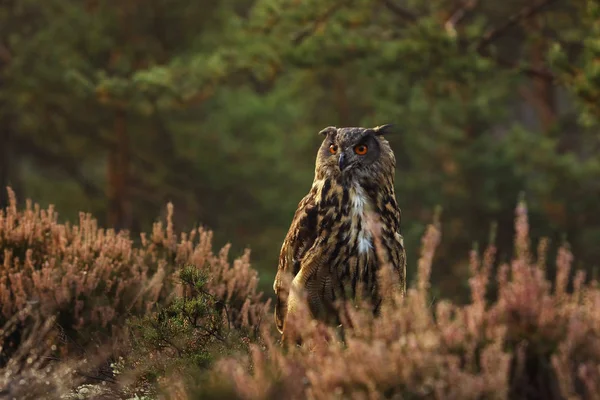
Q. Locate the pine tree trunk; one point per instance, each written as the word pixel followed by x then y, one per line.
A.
pixel 8 169
pixel 543 94
pixel 119 210
pixel 5 161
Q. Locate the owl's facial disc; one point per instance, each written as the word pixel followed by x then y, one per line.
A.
pixel 356 154
pixel 357 150
pixel 360 150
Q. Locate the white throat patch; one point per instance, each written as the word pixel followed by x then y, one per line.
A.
pixel 360 206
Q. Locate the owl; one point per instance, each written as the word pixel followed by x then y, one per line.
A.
pixel 330 252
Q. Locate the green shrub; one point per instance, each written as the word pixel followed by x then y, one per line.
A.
pixel 187 335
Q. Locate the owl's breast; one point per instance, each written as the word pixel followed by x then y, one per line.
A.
pixel 360 235
pixel 353 262
pixel 345 247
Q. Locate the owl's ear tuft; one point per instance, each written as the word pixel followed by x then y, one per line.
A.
pixel 328 130
pixel 383 129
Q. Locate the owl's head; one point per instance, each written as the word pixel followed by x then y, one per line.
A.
pixel 355 154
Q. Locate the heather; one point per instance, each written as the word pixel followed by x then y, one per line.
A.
pixel 78 301
pixel 531 338
pixel 190 322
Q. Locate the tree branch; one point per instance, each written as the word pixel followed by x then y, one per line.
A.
pixel 526 70
pixel 399 11
pixel 301 36
pixel 459 15
pixel 525 13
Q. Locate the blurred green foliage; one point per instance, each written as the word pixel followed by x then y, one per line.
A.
pixel 186 335
pixel 116 108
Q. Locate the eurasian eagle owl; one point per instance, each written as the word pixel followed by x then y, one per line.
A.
pixel 329 252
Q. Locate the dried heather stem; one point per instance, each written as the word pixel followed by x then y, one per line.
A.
pixel 522 232
pixel 564 261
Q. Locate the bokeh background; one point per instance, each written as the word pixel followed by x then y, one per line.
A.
pixel 117 108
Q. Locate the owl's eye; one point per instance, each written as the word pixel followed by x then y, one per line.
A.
pixel 361 149
pixel 333 148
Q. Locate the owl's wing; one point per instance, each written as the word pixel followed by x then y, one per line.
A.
pixel 299 239
pixel 399 259
pixel 395 242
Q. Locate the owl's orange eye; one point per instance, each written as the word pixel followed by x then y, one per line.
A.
pixel 361 149
pixel 333 149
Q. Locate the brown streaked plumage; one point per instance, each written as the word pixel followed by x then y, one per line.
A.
pixel 329 251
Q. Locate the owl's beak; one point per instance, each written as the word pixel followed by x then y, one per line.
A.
pixel 342 162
